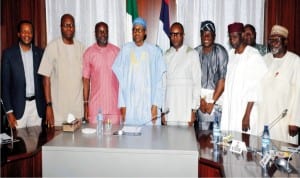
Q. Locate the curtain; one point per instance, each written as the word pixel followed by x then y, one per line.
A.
pixel 86 14
pixel 222 12
pixel 188 12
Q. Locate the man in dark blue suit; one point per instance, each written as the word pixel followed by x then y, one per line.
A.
pixel 22 89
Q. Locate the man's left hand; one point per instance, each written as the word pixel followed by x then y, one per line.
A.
pixel 193 118
pixel 154 114
pixel 246 123
pixel 209 107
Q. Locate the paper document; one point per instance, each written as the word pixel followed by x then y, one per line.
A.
pixel 4 138
pixel 132 130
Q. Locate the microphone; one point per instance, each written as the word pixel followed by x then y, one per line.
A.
pixel 156 117
pixel 276 120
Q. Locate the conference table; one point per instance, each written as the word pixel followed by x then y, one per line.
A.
pixel 23 156
pixel 158 151
pixel 181 154
pixel 216 160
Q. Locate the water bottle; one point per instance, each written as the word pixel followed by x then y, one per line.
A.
pixel 216 128
pixel 99 122
pixel 265 142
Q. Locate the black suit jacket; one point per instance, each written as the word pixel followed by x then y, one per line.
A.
pixel 13 83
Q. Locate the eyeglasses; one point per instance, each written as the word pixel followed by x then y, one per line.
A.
pixel 275 40
pixel 175 34
pixel 66 25
pixel 137 30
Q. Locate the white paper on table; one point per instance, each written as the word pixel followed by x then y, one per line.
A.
pixel 132 130
pixel 4 137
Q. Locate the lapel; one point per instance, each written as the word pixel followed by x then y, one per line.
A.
pixel 36 62
pixel 19 63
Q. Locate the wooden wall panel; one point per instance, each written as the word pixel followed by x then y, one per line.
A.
pixel 12 11
pixel 285 13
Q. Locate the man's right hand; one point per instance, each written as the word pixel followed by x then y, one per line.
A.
pixel 123 113
pixel 49 117
pixel 203 105
pixel 12 120
pixel 86 111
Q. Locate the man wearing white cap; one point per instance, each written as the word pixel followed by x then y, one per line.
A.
pixel 281 88
pixel 139 68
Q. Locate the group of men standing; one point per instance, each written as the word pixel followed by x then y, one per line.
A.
pixel 138 83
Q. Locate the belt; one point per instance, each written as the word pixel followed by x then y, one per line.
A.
pixel 30 98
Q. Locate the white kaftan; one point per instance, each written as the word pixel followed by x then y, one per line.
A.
pixel 280 90
pixel 244 71
pixel 183 83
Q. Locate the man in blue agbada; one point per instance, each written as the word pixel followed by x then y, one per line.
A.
pixel 139 68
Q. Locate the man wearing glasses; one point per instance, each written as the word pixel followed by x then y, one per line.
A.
pixel 183 80
pixel 281 88
pixel 244 71
pixel 139 68
pixel 61 67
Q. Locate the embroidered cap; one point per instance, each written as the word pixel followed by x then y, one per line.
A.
pixel 279 30
pixel 208 26
pixel 140 21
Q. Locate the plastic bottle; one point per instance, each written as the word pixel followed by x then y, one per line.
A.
pixel 216 129
pixel 99 122
pixel 265 141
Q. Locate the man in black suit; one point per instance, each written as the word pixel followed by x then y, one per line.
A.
pixel 22 89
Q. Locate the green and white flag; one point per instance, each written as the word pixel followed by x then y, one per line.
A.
pixel 131 14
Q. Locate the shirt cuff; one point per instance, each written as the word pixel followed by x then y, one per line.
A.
pixel 9 111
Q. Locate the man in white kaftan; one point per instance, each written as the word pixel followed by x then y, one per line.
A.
pixel 244 71
pixel 280 88
pixel 139 68
pixel 183 80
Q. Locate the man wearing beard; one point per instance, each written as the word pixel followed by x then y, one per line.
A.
pixel 280 88
pixel 100 85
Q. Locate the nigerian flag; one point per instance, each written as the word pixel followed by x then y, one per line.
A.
pixel 131 14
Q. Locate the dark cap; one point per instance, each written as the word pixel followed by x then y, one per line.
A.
pixel 235 27
pixel 208 26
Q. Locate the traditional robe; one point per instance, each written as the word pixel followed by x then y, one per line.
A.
pixel 104 86
pixel 213 69
pixel 63 64
pixel 244 71
pixel 139 70
pixel 183 83
pixel 280 90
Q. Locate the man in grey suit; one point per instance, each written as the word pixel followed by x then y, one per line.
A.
pixel 21 85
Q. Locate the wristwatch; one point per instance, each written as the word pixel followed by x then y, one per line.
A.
pixel 49 104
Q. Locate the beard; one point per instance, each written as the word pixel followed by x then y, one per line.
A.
pixel 102 42
pixel 275 50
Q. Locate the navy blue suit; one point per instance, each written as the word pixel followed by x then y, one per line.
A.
pixel 13 83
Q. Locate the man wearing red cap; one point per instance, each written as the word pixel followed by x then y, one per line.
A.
pixel 244 71
pixel 281 88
